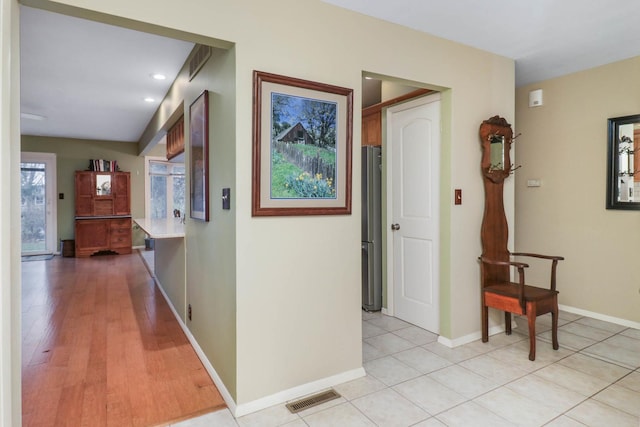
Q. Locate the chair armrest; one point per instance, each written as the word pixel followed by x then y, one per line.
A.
pixel 554 264
pixel 551 257
pixel 519 265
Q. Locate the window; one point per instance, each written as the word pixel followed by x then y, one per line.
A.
pixel 166 189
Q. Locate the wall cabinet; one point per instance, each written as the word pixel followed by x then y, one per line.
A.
pixel 103 212
pixel 372 116
pixel 372 127
pixel 175 139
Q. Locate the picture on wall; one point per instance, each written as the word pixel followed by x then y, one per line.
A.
pixel 302 144
pixel 199 156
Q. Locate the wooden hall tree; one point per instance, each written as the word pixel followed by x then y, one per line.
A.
pixel 497 289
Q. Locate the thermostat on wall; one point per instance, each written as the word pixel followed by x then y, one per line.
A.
pixel 535 98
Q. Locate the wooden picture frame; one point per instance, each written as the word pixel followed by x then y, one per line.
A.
pixel 199 157
pixel 302 147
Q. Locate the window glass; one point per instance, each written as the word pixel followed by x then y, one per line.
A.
pixel 166 189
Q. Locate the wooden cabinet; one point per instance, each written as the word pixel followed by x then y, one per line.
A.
pixel 102 193
pixel 120 235
pixel 372 116
pixel 104 234
pixel 121 197
pixel 175 139
pixel 372 127
pixel 103 212
pixel 92 235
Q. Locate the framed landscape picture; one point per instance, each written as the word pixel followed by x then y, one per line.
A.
pixel 302 147
pixel 199 156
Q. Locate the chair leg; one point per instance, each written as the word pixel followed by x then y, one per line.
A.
pixel 531 320
pixel 485 323
pixel 554 325
pixel 507 322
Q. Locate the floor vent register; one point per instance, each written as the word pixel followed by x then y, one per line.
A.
pixel 310 401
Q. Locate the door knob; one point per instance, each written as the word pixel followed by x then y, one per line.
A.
pixel 395 227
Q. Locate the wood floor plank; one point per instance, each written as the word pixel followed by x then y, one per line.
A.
pixel 102 348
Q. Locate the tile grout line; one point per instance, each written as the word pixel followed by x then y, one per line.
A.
pixel 488 353
pixel 573 352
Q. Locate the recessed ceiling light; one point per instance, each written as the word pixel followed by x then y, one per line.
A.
pixel 149 99
pixel 158 76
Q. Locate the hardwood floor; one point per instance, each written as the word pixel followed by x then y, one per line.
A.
pixel 101 347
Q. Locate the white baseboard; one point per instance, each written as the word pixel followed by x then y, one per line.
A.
pixel 474 336
pixel 267 401
pixel 231 404
pixel 297 392
pixel 451 343
pixel 598 316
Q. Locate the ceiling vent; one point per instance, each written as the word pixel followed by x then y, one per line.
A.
pixel 199 58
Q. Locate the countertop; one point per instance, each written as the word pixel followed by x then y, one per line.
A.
pixel 161 228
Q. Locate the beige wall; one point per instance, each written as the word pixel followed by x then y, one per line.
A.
pixel 73 155
pixel 296 280
pixel 564 144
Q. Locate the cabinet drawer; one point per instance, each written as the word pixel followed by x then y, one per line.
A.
pixel 120 241
pixel 120 233
pixel 124 223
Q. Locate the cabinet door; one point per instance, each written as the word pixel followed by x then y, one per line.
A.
pixel 372 129
pixel 122 199
pixel 92 235
pixel 85 188
pixel 175 139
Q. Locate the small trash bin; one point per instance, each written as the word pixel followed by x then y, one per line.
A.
pixel 149 244
pixel 68 248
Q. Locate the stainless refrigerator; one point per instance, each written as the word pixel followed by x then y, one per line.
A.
pixel 371 228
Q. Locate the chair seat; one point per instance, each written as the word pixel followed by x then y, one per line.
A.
pixel 510 289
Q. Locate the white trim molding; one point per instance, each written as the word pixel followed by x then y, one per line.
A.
pixel 267 401
pixel 598 316
pixel 297 392
pixel 474 336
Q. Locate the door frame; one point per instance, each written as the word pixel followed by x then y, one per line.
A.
pixel 51 178
pixel 387 168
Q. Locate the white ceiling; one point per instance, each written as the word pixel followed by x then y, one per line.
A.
pixel 546 38
pixel 89 80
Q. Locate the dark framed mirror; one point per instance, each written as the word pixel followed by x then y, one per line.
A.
pixel 496 137
pixel 623 167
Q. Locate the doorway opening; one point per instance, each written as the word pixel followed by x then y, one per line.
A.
pixel 38 207
pixel 385 99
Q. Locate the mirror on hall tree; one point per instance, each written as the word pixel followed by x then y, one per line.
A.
pixel 497 152
pixel 496 137
pixel 623 163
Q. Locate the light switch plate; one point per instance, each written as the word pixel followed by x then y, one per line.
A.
pixel 226 198
pixel 533 183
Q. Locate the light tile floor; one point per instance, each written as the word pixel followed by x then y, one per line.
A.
pixel 592 380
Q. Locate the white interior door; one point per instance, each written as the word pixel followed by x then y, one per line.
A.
pixel 38 203
pixel 413 172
